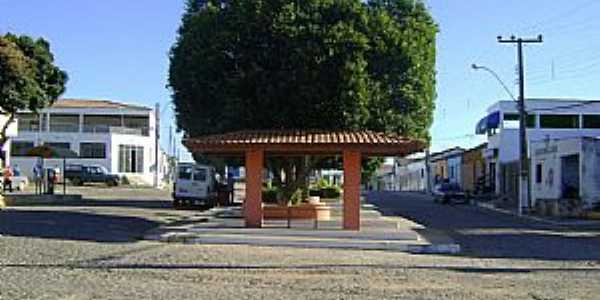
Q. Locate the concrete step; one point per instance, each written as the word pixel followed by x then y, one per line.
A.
pixel 410 246
pixel 302 233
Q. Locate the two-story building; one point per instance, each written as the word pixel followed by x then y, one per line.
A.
pixel 121 137
pixel 546 119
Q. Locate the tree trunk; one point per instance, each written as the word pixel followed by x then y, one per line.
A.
pixel 4 137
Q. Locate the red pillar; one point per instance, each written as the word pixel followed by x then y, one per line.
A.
pixel 352 174
pixel 253 214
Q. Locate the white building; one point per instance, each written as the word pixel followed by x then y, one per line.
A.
pixel 566 169
pixel 412 175
pixel 547 118
pixel 120 137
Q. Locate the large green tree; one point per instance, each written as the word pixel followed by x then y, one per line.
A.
pixel 29 80
pixel 304 64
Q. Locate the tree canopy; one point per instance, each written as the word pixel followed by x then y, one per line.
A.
pixel 29 80
pixel 304 64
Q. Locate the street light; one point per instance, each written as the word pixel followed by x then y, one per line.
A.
pixel 476 67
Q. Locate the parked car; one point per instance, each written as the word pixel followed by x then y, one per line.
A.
pixel 448 193
pixel 80 175
pixel 195 185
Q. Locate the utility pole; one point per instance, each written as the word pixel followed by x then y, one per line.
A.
pixel 524 165
pixel 156 143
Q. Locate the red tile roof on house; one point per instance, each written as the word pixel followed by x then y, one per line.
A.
pixel 295 141
pixel 89 103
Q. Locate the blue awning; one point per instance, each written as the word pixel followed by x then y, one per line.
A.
pixel 491 121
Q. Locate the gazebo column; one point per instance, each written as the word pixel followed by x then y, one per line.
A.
pixel 253 214
pixel 352 175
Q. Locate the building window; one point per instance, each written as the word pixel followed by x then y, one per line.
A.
pixel 29 122
pixel 101 123
pixel 141 123
pixel 92 150
pixel 538 173
pixel 64 123
pixel 66 146
pixel 19 148
pixel 591 121
pixel 512 120
pixel 559 121
pixel 131 159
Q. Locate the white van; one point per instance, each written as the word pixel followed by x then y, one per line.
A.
pixel 194 185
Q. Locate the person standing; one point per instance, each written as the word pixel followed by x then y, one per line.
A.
pixel 37 177
pixel 7 181
pixel 230 187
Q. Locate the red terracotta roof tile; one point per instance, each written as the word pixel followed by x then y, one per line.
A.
pixel 284 140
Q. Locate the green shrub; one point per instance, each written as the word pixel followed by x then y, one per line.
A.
pixel 330 192
pixel 315 192
pixel 270 195
pixel 297 197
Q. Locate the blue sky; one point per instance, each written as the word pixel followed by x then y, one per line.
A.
pixel 118 50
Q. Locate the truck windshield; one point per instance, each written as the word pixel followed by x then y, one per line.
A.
pixel 185 172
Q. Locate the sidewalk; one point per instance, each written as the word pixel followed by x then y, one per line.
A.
pixel 225 226
pixel 556 221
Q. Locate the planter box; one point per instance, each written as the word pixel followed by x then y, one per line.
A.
pixel 303 211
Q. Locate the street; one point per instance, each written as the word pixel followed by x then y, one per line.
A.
pixel 489 234
pixel 92 250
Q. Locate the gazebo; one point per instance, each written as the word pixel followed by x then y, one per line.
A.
pixel 352 145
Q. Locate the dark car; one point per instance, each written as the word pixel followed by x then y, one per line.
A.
pixel 80 175
pixel 448 193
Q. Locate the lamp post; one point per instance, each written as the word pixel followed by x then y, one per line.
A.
pixel 477 67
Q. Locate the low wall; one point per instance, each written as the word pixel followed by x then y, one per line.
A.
pixel 319 212
pixel 32 200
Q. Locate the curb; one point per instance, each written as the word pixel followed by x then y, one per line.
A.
pixel 189 239
pixel 594 224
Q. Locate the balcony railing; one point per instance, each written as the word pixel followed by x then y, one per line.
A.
pixel 102 129
pixel 64 127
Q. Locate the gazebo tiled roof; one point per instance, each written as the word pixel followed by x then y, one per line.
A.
pixel 296 141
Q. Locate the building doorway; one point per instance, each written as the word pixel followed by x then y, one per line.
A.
pixel 569 177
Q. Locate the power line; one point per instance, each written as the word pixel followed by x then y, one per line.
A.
pixel 559 16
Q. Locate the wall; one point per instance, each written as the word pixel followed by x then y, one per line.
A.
pixel 412 176
pixel 473 168
pixel 455 169
pixel 590 171
pixel 549 155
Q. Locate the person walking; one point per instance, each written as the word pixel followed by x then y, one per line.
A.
pixel 7 181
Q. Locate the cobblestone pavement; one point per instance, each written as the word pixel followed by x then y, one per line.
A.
pixel 35 265
pixel 490 234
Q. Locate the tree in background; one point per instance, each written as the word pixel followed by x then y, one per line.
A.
pixel 304 64
pixel 29 80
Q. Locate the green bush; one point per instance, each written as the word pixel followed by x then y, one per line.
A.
pixel 297 197
pixel 330 192
pixel 270 195
pixel 315 192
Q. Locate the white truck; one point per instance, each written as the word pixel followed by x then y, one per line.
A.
pixel 195 185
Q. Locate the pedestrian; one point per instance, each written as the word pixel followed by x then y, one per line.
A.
pixel 37 177
pixel 230 187
pixel 16 171
pixel 7 181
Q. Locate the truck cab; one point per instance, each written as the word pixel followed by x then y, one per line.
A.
pixel 194 185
